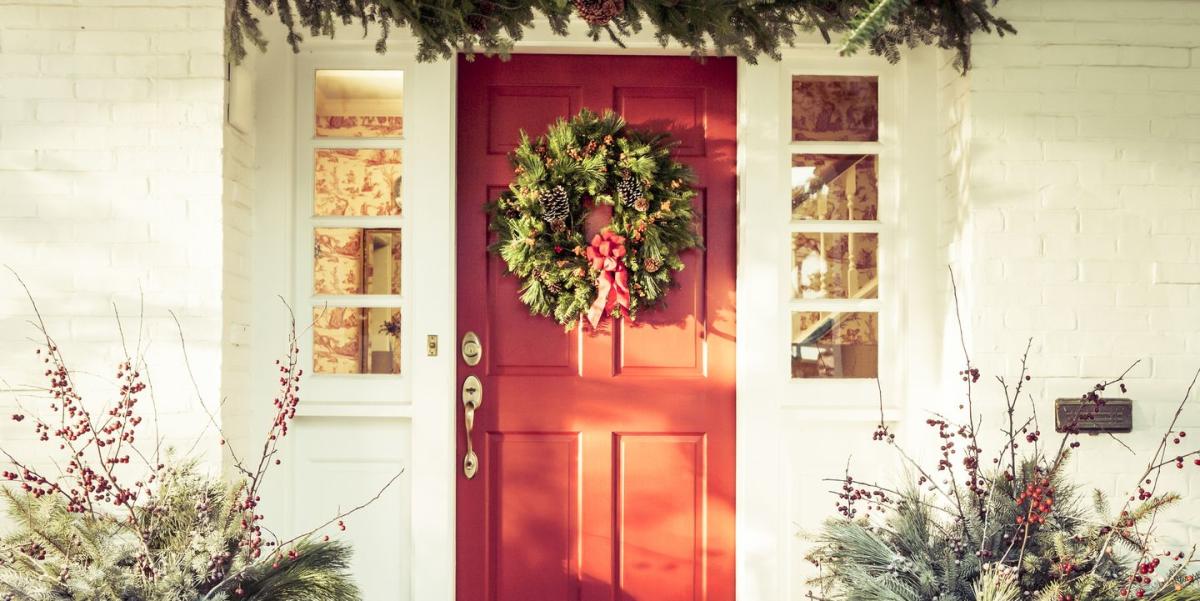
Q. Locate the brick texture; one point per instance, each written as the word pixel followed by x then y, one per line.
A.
pixel 1079 227
pixel 111 179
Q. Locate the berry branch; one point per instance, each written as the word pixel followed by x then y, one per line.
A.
pixel 96 500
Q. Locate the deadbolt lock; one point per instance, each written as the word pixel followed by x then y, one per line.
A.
pixel 472 350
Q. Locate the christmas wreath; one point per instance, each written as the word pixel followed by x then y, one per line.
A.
pixel 586 164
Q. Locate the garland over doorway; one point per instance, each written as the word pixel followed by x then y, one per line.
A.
pixel 747 28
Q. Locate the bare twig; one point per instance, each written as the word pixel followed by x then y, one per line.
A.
pixel 212 419
pixel 234 577
pixel 1155 466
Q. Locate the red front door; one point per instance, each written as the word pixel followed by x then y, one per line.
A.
pixel 606 460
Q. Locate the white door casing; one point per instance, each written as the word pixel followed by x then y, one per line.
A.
pixel 794 433
pixel 351 435
pixel 353 432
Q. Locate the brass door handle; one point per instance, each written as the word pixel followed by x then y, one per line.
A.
pixel 472 398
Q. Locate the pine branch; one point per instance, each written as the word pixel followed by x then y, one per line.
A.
pixel 443 28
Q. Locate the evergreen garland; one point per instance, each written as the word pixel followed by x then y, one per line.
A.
pixel 586 161
pixel 747 28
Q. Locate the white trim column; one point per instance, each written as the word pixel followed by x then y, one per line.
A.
pixel 431 207
pixel 761 533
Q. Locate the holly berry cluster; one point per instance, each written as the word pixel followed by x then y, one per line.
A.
pixel 1038 500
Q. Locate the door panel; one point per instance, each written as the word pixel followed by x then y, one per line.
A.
pixel 533 495
pixel 660 511
pixel 606 457
pixel 512 109
pixel 670 341
pixel 679 110
pixel 337 461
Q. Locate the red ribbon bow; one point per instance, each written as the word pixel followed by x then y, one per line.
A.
pixel 605 255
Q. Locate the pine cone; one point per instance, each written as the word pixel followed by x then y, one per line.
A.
pixel 630 189
pixel 599 12
pixel 651 265
pixel 556 208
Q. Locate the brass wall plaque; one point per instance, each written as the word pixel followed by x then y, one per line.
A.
pixel 1111 415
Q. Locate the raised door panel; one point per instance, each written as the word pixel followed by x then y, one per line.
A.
pixel 660 514
pixel 679 111
pixel 533 516
pixel 341 462
pixel 513 109
pixel 669 341
pixel 510 327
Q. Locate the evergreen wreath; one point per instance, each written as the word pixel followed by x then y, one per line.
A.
pixel 560 177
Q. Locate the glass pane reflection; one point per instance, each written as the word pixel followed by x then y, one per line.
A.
pixel 354 340
pixel 835 345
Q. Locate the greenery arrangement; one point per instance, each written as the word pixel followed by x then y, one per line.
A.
pixel 120 523
pixel 747 28
pixel 1006 526
pixel 562 177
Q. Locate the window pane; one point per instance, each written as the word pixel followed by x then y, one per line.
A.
pixel 835 265
pixel 383 261
pixel 356 261
pixel 351 340
pixel 835 345
pixel 835 109
pixel 357 182
pixel 360 104
pixel 835 187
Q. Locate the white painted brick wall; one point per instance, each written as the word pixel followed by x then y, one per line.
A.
pixel 1082 226
pixel 241 418
pixel 111 117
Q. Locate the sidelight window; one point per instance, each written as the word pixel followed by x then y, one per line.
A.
pixel 835 227
pixel 354 221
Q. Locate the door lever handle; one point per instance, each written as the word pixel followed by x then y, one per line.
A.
pixel 472 398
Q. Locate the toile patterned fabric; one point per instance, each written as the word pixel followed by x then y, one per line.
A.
pixel 821 265
pixel 835 187
pixel 338 262
pixel 337 340
pixel 835 108
pixel 848 328
pixel 361 126
pixel 357 182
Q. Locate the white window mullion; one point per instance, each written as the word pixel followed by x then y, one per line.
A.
pixel 834 147
pixel 835 227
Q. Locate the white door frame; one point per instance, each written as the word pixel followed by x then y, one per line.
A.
pixel 769 402
pixel 430 389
